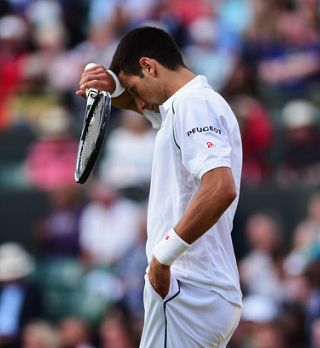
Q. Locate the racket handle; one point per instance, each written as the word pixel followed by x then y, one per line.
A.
pixel 90 92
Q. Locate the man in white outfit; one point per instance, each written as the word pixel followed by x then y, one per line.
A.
pixel 192 295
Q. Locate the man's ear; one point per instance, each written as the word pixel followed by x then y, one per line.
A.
pixel 148 66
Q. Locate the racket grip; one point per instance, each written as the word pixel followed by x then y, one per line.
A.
pixel 90 92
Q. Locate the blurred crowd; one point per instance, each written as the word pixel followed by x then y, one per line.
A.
pixel 82 286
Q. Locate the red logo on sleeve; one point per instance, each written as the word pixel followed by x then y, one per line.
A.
pixel 167 237
pixel 210 144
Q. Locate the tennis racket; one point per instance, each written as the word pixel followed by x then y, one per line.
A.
pixel 95 123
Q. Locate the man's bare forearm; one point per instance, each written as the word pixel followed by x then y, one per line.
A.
pixel 216 193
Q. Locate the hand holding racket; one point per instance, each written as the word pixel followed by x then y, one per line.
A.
pixel 96 118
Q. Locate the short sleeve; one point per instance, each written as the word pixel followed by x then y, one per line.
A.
pixel 202 133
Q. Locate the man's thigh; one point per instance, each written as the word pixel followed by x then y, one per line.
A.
pixel 188 317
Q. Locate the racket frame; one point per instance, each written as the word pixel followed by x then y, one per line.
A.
pixel 81 177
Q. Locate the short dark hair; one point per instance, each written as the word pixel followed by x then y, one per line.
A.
pixel 148 42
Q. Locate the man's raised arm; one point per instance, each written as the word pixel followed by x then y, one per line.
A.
pixel 98 77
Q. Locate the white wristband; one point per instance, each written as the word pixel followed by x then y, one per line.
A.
pixel 170 248
pixel 119 88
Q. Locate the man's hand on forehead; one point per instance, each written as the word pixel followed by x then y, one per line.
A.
pixel 96 77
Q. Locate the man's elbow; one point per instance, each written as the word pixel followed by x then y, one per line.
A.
pixel 229 194
pixel 221 184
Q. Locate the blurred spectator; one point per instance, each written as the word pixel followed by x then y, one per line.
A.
pixel 20 298
pixel 205 53
pixel 127 160
pixel 261 29
pixel 301 153
pixel 235 17
pixel 306 239
pixel 42 12
pixel 269 335
pixel 189 10
pixel 50 161
pixel 13 34
pixel 297 291
pixel 283 51
pixel 101 289
pixel 301 299
pixel 266 323
pixel 169 21
pixel 131 12
pixel 315 334
pixel 131 270
pixel 109 226
pixel 101 11
pixel 264 237
pixel 58 233
pixel 98 46
pixel 309 10
pixel 259 309
pixel 40 335
pixel 291 323
pixel 299 256
pixel 115 331
pixel 313 209
pixel 136 11
pixel 257 135
pixel 313 218
pixel 312 274
pixel 259 315
pixel 305 246
pixel 51 67
pixel 74 333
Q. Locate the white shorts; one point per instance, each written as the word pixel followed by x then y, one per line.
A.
pixel 188 317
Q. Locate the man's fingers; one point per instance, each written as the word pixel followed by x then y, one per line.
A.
pixel 81 93
pixel 94 67
pixel 93 77
pixel 91 84
pixel 99 80
pixel 97 70
pixel 159 277
pixel 157 287
pixel 161 290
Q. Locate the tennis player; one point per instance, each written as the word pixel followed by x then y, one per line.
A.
pixel 192 296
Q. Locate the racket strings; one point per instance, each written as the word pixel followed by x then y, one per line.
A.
pixel 93 130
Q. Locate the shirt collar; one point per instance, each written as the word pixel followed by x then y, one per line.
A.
pixel 196 82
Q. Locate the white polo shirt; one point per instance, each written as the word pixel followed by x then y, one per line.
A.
pixel 199 132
